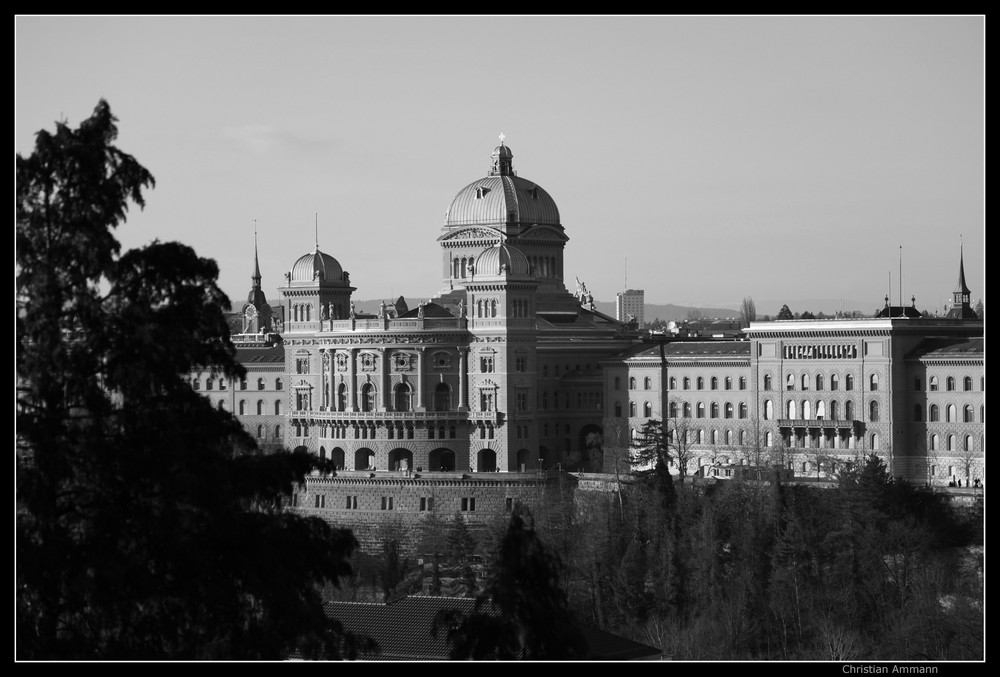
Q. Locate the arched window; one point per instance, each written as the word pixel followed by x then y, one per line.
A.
pixel 873 411
pixel 618 382
pixel 932 445
pixel 951 414
pixel 743 438
pixel 967 383
pixel 805 381
pixel 673 410
pixel 874 441
pixel 729 410
pixel 631 383
pixel 209 383
pixel 768 410
pixel 701 410
pixel 729 438
pixel 222 405
pixel 277 432
pixel 342 397
pixel 932 413
pixel 728 383
pixel 968 443
pixel 700 437
pixel 687 383
pixel 967 415
pixel 277 383
pixel 647 410
pixel 618 409
pixel 820 410
pixel 873 382
pixel 819 381
pixel 714 410
pixel 849 410
pixel 806 411
pixel 933 383
pixel 715 437
pixel 277 407
pixel 673 383
pixel 743 382
pixel 260 431
pixel 401 399
pixel 951 443
pixel 701 383
pixel 647 383
pixel 949 383
pixel 790 382
pixel 631 409
pixel 849 382
pixel 767 381
pixel 260 407
pixel 367 397
pixel 715 383
pixel 743 409
pixel 260 384
pixel 834 410
pixel 687 410
pixel 768 439
pixel 243 407
pixel 791 409
pixel 834 381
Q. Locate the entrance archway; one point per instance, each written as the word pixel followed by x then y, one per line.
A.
pixel 364 459
pixel 442 460
pixel 337 456
pixel 523 458
pixel 486 461
pixel 400 459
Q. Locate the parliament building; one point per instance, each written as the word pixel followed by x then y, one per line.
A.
pixel 505 378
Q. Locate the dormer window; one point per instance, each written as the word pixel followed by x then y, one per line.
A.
pixel 534 193
pixel 481 192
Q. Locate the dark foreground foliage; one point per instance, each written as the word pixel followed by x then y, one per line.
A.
pixel 149 525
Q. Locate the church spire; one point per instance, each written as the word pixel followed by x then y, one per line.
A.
pixel 256 262
pixel 961 306
pixel 961 288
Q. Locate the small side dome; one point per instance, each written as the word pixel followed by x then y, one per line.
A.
pixel 501 260
pixel 316 266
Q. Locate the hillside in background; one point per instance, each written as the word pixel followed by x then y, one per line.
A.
pixel 671 311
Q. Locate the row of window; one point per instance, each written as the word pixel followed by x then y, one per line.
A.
pixel 933 384
pixel 584 400
pixel 243 408
pixel 950 413
pixel 468 503
pixel 211 383
pixel 402 397
pixel 934 443
pixel 805 382
pixel 647 383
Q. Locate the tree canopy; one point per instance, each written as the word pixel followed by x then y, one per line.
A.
pixel 149 525
pixel 522 613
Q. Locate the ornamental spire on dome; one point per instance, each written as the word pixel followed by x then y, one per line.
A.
pixel 502 160
pixel 962 288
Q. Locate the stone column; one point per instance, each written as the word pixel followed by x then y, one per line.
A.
pixel 352 379
pixel 463 377
pixel 421 350
pixel 384 379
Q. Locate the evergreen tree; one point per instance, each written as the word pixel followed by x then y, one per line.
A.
pixel 462 546
pixel 785 313
pixel 522 613
pixel 149 526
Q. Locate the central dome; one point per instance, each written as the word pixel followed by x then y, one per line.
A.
pixel 502 198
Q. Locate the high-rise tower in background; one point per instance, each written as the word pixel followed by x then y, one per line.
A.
pixel 630 305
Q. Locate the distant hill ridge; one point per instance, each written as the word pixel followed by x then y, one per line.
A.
pixel 671 311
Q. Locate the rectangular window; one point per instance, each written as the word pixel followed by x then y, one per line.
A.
pixel 423 504
pixel 916 384
pixel 509 504
pixel 320 500
pixel 465 505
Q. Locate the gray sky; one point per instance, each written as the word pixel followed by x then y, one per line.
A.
pixel 780 158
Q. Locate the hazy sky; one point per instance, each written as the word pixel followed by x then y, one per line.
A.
pixel 781 158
